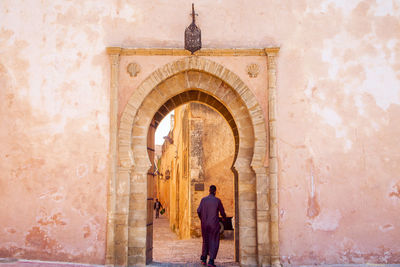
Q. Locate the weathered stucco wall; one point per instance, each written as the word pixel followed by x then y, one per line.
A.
pixel 338 118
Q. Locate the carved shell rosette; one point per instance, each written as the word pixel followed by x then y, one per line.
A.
pixel 133 69
pixel 253 70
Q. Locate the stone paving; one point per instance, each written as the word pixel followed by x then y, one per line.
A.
pixel 168 250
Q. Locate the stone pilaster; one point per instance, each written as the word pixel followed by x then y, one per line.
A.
pixel 263 218
pixel 273 160
pixel 114 54
pixel 247 212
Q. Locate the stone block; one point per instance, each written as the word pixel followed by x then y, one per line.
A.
pixel 177 82
pixel 143 119
pixel 228 97
pixel 273 165
pixel 121 234
pixel 274 213
pixel 131 108
pixel 248 238
pixel 263 216
pixel 263 233
pixel 272 110
pixel 134 103
pixel 273 151
pixel 139 196
pixel 124 134
pixel 236 106
pixel 121 218
pixel 237 84
pixel 273 180
pixel 145 88
pixel 211 67
pixel 225 74
pixel 247 196
pixel 247 211
pixel 139 186
pixel 123 183
pixel 204 82
pixel 121 253
pixel 138 215
pixel 245 185
pixel 264 261
pixel 135 222
pixel 123 125
pixel 136 251
pixel 222 90
pixel 138 204
pixel 122 204
pixel 260 150
pixel 244 122
pixel 249 206
pixel 248 98
pixel 262 202
pixel 127 117
pixel 137 260
pixel 192 79
pixel 248 260
pixel 274 233
pixel 274 198
pixel 137 237
pixel 242 163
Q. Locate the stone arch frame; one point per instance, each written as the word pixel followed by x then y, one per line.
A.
pixel 126 236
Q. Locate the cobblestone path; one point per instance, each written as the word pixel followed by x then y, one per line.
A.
pixel 168 250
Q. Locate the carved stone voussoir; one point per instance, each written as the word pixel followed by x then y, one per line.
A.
pixel 127 162
pixel 133 69
pixel 253 70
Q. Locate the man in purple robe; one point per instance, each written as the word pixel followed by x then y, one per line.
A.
pixel 208 211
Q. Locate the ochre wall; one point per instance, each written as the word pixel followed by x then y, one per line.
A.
pixel 218 153
pixel 338 118
pixel 171 189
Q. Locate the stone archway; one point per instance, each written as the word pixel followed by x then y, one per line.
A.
pixel 126 245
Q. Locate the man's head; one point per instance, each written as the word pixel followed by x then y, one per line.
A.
pixel 213 189
pixel 156 199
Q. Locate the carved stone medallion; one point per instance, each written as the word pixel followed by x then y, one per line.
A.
pixel 133 69
pixel 253 70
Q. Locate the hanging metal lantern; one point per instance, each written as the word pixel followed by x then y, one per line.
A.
pixel 193 35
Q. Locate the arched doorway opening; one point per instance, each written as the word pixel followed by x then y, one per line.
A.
pixel 129 224
pixel 179 89
pixel 205 138
pixel 197 151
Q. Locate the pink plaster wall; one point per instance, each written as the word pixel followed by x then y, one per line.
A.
pixel 338 118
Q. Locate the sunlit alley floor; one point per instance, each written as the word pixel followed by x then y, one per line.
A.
pixel 168 250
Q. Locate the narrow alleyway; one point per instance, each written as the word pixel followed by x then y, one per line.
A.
pixel 168 250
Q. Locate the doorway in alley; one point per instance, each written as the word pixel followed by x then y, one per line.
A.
pixel 196 152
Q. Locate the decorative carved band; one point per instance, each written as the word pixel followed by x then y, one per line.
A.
pixel 182 52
